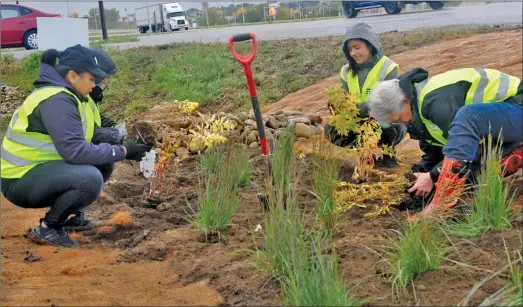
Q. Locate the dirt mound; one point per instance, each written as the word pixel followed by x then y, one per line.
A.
pixel 498 50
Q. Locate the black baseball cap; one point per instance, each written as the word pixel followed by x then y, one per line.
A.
pixel 105 63
pixel 82 58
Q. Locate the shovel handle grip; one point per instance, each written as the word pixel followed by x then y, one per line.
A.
pixel 244 59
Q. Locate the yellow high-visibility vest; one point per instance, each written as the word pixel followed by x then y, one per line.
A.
pixel 23 150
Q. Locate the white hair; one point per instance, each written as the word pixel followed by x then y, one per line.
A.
pixel 386 99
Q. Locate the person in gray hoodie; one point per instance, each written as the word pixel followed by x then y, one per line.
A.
pixel 49 155
pixel 366 67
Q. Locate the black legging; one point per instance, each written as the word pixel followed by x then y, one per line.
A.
pixel 65 188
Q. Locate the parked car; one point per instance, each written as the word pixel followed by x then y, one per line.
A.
pixel 18 25
pixel 352 8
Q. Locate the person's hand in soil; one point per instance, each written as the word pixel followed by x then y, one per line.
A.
pixel 423 184
pixel 136 152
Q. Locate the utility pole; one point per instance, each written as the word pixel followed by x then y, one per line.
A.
pixel 95 22
pixel 102 20
pixel 243 15
pixel 126 18
pixel 149 19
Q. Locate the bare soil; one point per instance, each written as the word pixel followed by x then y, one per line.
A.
pixel 148 254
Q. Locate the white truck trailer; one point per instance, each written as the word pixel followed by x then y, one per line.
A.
pixel 162 17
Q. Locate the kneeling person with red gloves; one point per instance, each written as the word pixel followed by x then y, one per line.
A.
pixel 451 113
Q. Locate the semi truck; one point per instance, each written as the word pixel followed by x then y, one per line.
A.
pixel 352 8
pixel 162 18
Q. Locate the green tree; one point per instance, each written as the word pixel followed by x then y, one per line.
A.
pixel 253 15
pixel 112 16
pixel 283 14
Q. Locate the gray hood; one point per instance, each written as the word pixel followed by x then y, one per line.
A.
pixel 362 30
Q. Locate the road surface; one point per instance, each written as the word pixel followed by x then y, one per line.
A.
pixel 508 13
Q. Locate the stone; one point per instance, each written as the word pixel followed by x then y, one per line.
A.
pixel 273 123
pixel 252 137
pixel 303 130
pixel 268 135
pixel 422 288
pixel 281 118
pixel 242 116
pixel 302 120
pixel 253 145
pixel 291 113
pixel 234 118
pixel 315 119
pixel 231 133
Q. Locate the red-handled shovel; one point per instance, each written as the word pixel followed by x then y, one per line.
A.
pixel 246 61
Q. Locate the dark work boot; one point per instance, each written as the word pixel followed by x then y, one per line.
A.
pixel 80 222
pixel 51 236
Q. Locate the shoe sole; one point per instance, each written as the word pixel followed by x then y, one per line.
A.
pixel 80 228
pixel 38 240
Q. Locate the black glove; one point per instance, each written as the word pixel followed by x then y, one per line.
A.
pixel 136 151
pixel 107 122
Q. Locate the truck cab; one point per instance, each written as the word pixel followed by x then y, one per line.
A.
pixel 352 8
pixel 176 17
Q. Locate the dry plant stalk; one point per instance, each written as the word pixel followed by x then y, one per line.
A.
pixel 162 164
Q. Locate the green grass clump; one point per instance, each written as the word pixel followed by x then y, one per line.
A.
pixel 492 203
pixel 420 248
pixel 212 160
pixel 314 279
pixel 220 199
pixel 284 223
pixel 326 172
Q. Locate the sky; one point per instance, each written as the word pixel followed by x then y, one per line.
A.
pixel 82 7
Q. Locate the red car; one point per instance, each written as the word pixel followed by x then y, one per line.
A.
pixel 18 25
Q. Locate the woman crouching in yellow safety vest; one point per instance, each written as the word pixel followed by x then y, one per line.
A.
pixel 50 155
pixel 365 68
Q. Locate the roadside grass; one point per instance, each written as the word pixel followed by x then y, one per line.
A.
pixel 98 41
pixel 209 74
pixel 492 204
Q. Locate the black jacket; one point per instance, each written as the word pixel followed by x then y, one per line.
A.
pixel 440 107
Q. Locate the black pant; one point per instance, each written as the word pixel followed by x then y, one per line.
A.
pixel 65 188
pixel 390 136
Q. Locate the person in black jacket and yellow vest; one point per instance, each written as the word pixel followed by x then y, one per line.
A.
pixel 365 68
pixel 49 156
pixel 450 114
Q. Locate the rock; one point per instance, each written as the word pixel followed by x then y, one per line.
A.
pixel 271 130
pixel 281 118
pixel 303 130
pixel 291 113
pixel 273 123
pixel 32 257
pixel 242 116
pixel 315 119
pixel 252 137
pixel 253 145
pixel 302 139
pixel 422 288
pixel 231 133
pixel 176 123
pixel 277 112
pixel 303 120
pixel 251 114
pixel 234 118
pixel 269 135
pixel 250 122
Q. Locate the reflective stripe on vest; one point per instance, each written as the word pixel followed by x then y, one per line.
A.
pixel 95 112
pixel 487 86
pixel 23 150
pixel 378 73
